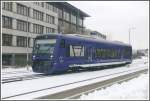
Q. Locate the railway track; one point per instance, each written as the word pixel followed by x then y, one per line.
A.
pixel 102 85
pixel 24 70
pixel 72 92
pixel 21 78
pixel 26 76
pixel 14 72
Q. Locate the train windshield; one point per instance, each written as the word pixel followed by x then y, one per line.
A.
pixel 44 46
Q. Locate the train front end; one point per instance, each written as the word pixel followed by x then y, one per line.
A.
pixel 43 54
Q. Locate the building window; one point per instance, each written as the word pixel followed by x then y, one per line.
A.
pixel 7 6
pixel 67 27
pixel 53 30
pixel 80 21
pixel 50 19
pixel 21 9
pixel 39 4
pixel 49 6
pixel 7 40
pixel 6 59
pixel 73 19
pixel 7 22
pixel 60 15
pixel 66 16
pixel 21 41
pixel 38 15
pixel 37 29
pixel 55 9
pixel 50 30
pixel 29 45
pixel 23 25
pixel 73 28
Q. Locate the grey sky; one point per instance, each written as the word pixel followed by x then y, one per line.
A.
pixel 114 18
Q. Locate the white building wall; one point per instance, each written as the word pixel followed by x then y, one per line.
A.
pixel 14 43
pixel 15 32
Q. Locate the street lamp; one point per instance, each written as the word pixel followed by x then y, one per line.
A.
pixel 130 33
pixel 28 29
pixel 27 49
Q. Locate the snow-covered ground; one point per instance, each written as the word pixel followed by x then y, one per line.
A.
pixel 14 88
pixel 135 89
pixel 5 70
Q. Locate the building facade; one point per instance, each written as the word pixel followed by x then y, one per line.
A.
pixel 70 19
pixel 23 21
pixel 98 35
pixel 95 34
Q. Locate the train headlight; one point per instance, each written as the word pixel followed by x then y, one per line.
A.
pixel 33 57
pixel 51 56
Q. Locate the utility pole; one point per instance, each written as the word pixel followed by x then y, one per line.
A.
pixel 130 34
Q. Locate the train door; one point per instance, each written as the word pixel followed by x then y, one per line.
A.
pixel 89 53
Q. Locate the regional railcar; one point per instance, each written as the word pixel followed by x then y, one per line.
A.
pixel 53 53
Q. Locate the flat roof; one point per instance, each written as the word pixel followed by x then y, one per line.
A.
pixel 71 7
pixel 75 8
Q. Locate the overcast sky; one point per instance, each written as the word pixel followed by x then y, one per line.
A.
pixel 114 18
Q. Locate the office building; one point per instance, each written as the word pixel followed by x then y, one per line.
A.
pixel 23 21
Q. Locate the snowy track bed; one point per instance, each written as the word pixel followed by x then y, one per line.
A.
pixel 21 78
pixel 85 90
pixel 32 89
pixel 51 87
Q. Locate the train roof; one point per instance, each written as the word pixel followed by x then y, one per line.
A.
pixel 85 38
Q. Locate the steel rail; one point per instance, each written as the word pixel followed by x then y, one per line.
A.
pixel 30 92
pixel 104 86
pixel 22 78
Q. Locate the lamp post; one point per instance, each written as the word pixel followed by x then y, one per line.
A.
pixel 27 49
pixel 129 34
pixel 28 29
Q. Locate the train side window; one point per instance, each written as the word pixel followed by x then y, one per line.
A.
pixel 82 51
pixel 100 52
pixel 62 43
pixel 76 50
pixel 97 52
pixel 71 51
pixel 103 54
pixel 112 53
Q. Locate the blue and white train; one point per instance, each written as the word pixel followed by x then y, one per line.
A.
pixel 54 53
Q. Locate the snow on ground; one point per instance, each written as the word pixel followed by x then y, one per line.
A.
pixel 21 71
pixel 14 72
pixel 5 70
pixel 135 89
pixel 14 88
